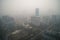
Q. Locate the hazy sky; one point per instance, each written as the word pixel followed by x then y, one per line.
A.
pixel 27 7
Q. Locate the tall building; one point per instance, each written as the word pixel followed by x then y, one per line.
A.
pixel 37 12
pixel 35 20
pixel 58 4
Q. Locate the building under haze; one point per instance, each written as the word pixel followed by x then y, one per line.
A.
pixel 35 20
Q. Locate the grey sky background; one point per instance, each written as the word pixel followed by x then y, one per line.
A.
pixel 27 7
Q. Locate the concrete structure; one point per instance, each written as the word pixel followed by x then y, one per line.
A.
pixel 35 20
pixel 37 12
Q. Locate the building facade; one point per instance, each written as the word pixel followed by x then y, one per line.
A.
pixel 35 20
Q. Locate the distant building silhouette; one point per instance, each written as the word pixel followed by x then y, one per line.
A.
pixel 37 12
pixel 35 20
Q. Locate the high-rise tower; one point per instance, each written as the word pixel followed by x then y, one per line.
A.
pixel 37 12
pixel 35 20
pixel 58 4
